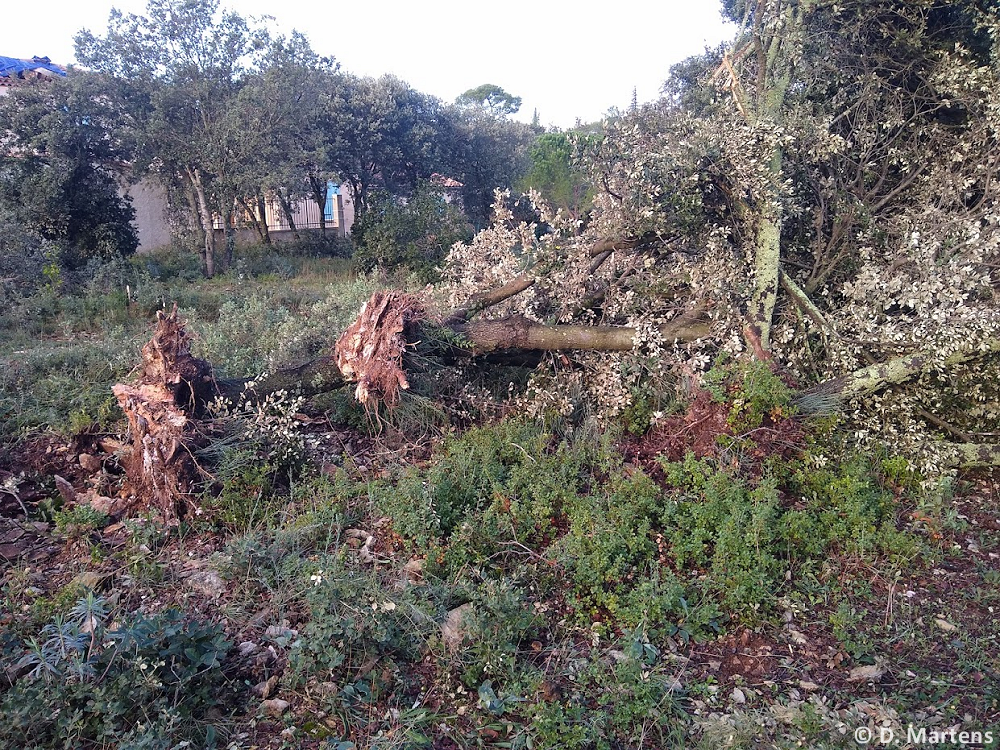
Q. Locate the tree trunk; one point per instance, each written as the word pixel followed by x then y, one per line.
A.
pixel 255 221
pixel 205 214
pixel 262 209
pixel 975 455
pixel 286 208
pixel 230 238
pixel 518 333
pixel 767 266
pixel 871 379
pixel 319 190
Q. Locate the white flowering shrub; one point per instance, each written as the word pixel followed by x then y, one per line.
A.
pixel 270 426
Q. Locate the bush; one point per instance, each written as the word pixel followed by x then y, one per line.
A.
pixel 148 682
pixel 416 234
pixel 24 256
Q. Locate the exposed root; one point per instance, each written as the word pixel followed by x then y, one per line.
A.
pixel 172 385
pixel 370 352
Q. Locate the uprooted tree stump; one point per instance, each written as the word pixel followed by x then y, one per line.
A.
pixel 370 352
pixel 171 387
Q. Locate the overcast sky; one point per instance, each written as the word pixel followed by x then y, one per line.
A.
pixel 568 60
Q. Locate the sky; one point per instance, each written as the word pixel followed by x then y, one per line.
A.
pixel 568 60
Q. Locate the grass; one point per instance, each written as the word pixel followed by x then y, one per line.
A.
pixel 515 584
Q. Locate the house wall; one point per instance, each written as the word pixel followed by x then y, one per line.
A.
pixel 150 203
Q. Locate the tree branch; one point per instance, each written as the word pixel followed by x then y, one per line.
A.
pixel 875 377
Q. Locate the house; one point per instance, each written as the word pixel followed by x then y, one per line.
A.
pixel 338 216
pixel 149 199
pixel 14 70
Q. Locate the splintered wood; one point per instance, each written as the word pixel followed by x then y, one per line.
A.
pixel 370 352
pixel 171 386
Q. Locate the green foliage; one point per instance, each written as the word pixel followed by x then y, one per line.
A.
pixel 471 472
pixel 500 622
pixel 611 555
pixel 846 510
pixel 24 256
pixel 491 97
pixel 356 616
pixel 626 693
pixel 555 173
pixel 147 682
pixel 416 234
pixel 754 392
pixel 60 154
pixel 746 536
pixel 79 521
pixel 731 530
pixel 64 385
pixel 247 500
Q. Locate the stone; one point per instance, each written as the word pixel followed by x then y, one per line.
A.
pixel 89 580
pixel 66 490
pixel 266 688
pixel 413 572
pixel 206 582
pixel 868 673
pixel 90 463
pixel 274 707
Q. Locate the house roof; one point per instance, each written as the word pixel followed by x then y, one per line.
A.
pixel 14 67
pixel 447 183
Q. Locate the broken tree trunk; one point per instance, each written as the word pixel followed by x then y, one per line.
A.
pixel 370 352
pixel 520 333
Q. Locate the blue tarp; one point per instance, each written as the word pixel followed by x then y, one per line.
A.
pixel 14 67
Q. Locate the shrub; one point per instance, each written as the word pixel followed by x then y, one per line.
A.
pixel 147 682
pixel 416 234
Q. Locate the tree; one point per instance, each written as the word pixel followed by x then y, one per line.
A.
pixel 61 165
pixel 492 98
pixel 486 152
pixel 417 233
pixel 179 69
pixel 795 186
pixel 556 174
pixel 381 134
pixel 276 146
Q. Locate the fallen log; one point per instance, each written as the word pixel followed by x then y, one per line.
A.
pixel 370 352
pixel 881 375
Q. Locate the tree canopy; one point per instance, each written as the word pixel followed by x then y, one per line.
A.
pixel 492 98
pixel 62 160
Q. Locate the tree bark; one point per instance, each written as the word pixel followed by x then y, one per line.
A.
pixel 205 214
pixel 262 209
pixel 975 455
pixel 871 379
pixel 286 208
pixel 319 191
pixel 255 221
pixel 519 333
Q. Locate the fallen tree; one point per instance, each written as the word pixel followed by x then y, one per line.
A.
pixel 173 387
pixel 829 212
